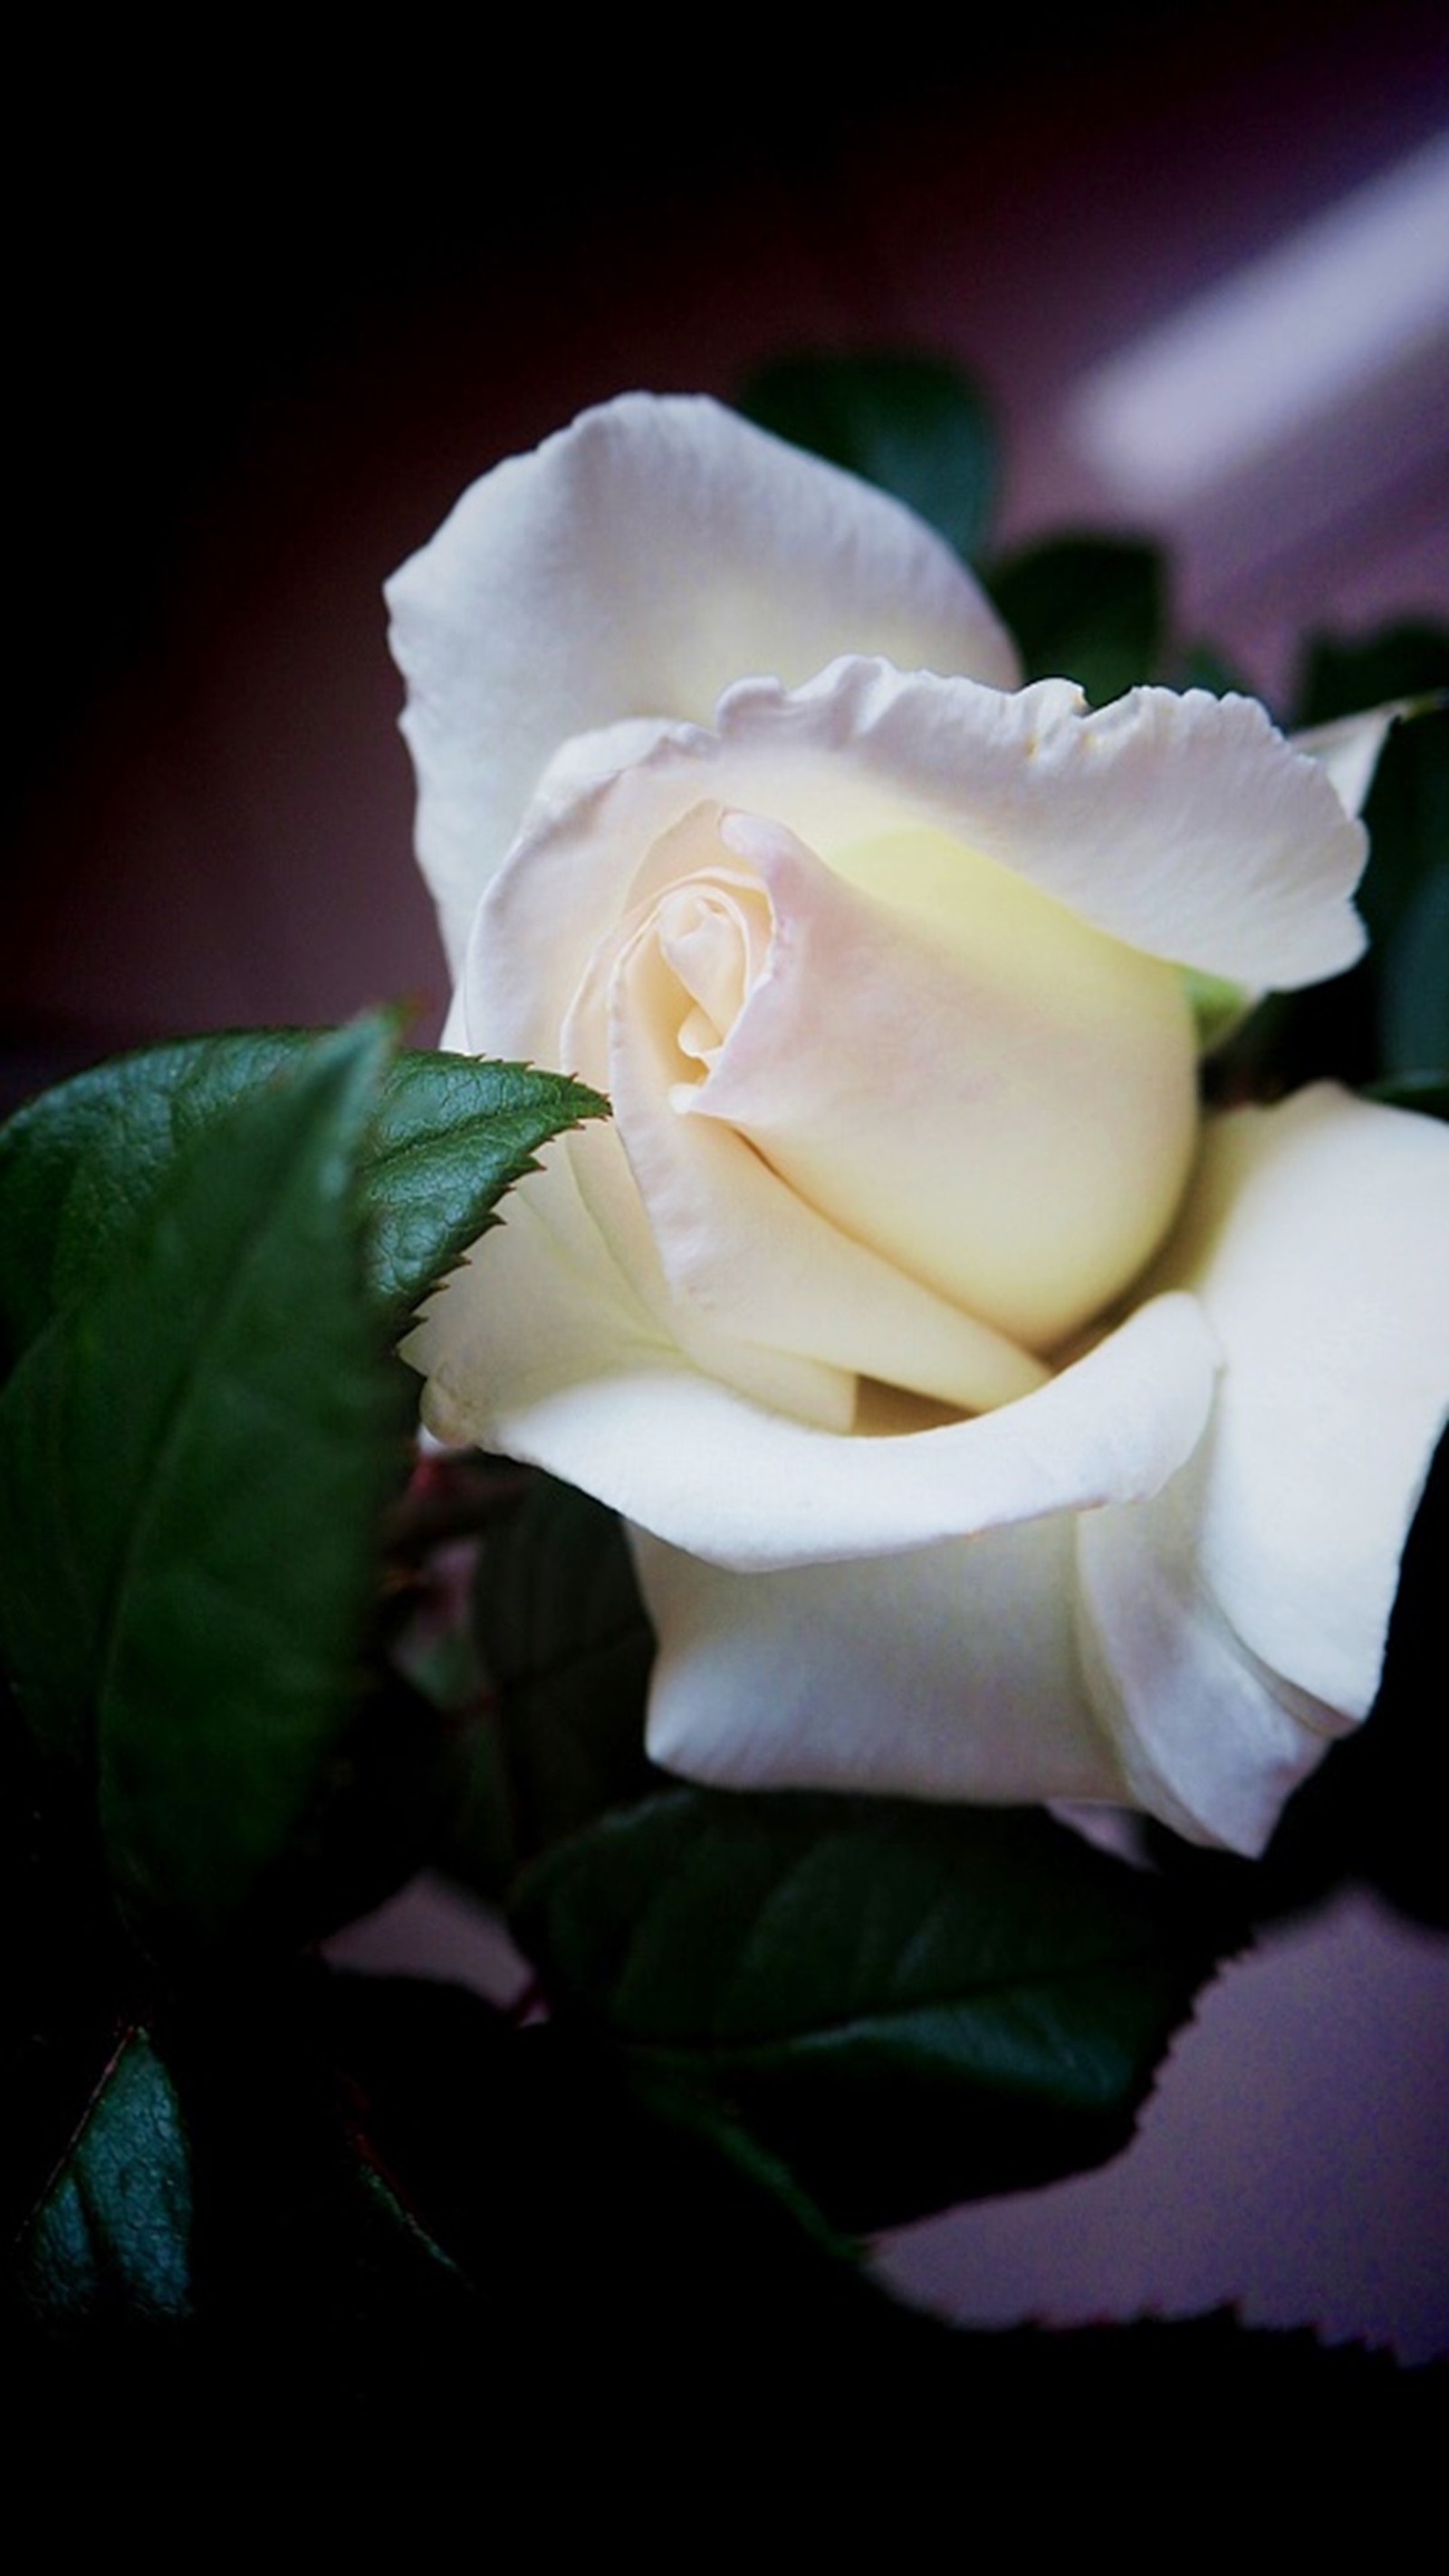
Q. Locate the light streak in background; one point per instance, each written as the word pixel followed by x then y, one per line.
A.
pixel 1312 323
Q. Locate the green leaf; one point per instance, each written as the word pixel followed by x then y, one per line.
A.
pixel 567 1645
pixel 913 425
pixel 1427 1092
pixel 1342 675
pixel 1404 893
pixel 81 1164
pixel 1414 976
pixel 222 2186
pixel 1205 666
pixel 407 2212
pixel 1218 1007
pixel 909 2004
pixel 450 1136
pixel 566 2183
pixel 1089 609
pixel 194 1463
pixel 112 2234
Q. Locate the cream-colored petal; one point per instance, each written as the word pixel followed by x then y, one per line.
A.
pixel 1185 825
pixel 946 1673
pixel 540 1348
pixel 549 1301
pixel 999 1101
pixel 659 1007
pixel 1318 1242
pixel 1207 1737
pixel 1240 1619
pixel 738 1245
pixel 1182 826
pixel 1348 751
pixel 633 566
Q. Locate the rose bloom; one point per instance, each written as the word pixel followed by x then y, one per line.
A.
pixel 990 1424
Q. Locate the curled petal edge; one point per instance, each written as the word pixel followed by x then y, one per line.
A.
pixel 639 561
pixel 537 1350
pixel 1236 1623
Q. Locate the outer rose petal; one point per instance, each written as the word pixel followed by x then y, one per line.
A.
pixel 1348 750
pixel 948 1673
pixel 1182 824
pixel 635 565
pixel 1227 1626
pixel 1186 827
pixel 1235 1622
pixel 539 1349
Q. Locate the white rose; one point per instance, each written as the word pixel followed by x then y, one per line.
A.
pixel 990 1426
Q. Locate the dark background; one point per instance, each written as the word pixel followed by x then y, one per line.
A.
pixel 269 311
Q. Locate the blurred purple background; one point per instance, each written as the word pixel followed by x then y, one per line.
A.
pixel 264 330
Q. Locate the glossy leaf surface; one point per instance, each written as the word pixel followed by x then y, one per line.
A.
pixel 909 2004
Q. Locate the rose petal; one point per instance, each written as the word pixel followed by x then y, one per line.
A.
pixel 1002 1104
pixel 948 1673
pixel 1185 825
pixel 521 1359
pixel 588 1300
pixel 697 1207
pixel 738 1245
pixel 1348 751
pixel 1241 1618
pixel 1208 1739
pixel 633 566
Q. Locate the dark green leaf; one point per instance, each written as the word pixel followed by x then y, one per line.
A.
pixel 304 2232
pixel 913 425
pixel 1414 975
pixel 311 2288
pixel 1345 675
pixel 1204 666
pixel 567 1645
pixel 568 2185
pixel 1404 895
pixel 1387 1019
pixel 80 1165
pixel 454 2232
pixel 909 2004
pixel 112 2235
pixel 74 1979
pixel 1427 1093
pixel 449 1137
pixel 1089 609
pixel 195 1460
pixel 381 1808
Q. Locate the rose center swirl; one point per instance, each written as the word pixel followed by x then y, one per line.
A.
pixel 714 938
